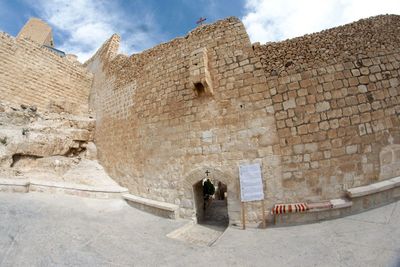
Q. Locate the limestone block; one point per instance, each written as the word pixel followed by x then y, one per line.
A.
pixel 91 151
pixel 267 139
pixel 389 161
pixel 291 103
pixel 351 149
pixel 207 136
pixel 187 203
pixel 373 188
pixel 322 106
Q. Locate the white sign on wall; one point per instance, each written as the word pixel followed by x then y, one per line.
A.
pixel 251 186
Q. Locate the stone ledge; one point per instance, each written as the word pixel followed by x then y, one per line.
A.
pixel 80 187
pixel 14 182
pixel 15 185
pixel 373 188
pixel 338 203
pixel 61 187
pixel 156 207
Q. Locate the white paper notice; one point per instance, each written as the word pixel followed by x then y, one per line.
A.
pixel 251 187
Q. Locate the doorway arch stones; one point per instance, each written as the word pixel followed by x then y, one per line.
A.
pixel 231 181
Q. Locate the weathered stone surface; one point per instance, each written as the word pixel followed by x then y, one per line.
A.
pixel 46 78
pixel 326 105
pixel 47 145
pixel 319 113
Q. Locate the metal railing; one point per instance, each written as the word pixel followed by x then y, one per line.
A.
pixel 54 50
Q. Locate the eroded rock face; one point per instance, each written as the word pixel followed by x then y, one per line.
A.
pixel 37 142
pixel 50 147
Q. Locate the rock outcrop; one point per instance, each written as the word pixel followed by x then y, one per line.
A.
pixel 56 147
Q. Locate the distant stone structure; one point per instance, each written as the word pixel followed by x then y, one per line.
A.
pixel 31 74
pixel 37 31
pixel 319 113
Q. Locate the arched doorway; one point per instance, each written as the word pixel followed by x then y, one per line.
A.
pixel 221 210
pixel 210 198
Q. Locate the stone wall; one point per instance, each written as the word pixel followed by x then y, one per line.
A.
pixel 33 75
pixel 348 43
pixel 197 103
pixel 319 113
pixel 336 98
pixel 38 31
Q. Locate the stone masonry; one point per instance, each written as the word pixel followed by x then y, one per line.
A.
pixel 314 111
pixel 319 113
pixel 33 75
pixel 336 100
pixel 147 106
pixel 37 31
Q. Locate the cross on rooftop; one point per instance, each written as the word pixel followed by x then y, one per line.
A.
pixel 207 172
pixel 200 21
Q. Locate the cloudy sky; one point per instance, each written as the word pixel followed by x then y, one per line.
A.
pixel 81 26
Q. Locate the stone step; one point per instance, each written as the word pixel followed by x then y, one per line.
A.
pixel 159 208
pixel 197 234
pixel 373 188
pixel 27 185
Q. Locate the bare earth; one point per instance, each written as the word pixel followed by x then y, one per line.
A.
pixel 56 230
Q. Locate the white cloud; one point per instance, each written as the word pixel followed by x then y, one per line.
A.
pixel 86 24
pixel 274 20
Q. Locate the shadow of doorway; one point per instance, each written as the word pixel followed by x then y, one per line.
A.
pixel 211 210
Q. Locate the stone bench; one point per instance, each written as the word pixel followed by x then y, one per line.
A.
pixel 14 185
pixel 373 188
pixel 105 191
pixel 332 204
pixel 159 208
pixel 338 203
pixel 27 185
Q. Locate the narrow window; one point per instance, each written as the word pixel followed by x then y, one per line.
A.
pixel 199 89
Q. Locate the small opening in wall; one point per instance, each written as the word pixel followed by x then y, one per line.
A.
pixel 359 63
pixel 288 64
pixel 200 90
pixel 370 97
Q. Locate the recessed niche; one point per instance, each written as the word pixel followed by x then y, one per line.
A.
pixel 200 90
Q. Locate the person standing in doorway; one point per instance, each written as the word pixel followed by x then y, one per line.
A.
pixel 208 192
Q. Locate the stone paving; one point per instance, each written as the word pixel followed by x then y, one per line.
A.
pixel 209 229
pixel 56 230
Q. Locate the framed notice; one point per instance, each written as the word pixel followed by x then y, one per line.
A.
pixel 251 186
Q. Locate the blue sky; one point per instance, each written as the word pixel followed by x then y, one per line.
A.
pixel 81 26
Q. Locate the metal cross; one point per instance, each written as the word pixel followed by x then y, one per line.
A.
pixel 200 21
pixel 207 172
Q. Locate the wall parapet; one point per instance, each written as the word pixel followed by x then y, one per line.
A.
pixel 351 42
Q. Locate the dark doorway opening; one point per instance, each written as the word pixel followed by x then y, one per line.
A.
pixel 200 89
pixel 211 207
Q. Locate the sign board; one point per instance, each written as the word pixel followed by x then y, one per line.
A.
pixel 251 186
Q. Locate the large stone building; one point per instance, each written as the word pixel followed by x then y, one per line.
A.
pixel 319 113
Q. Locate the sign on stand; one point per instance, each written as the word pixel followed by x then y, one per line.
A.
pixel 251 187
